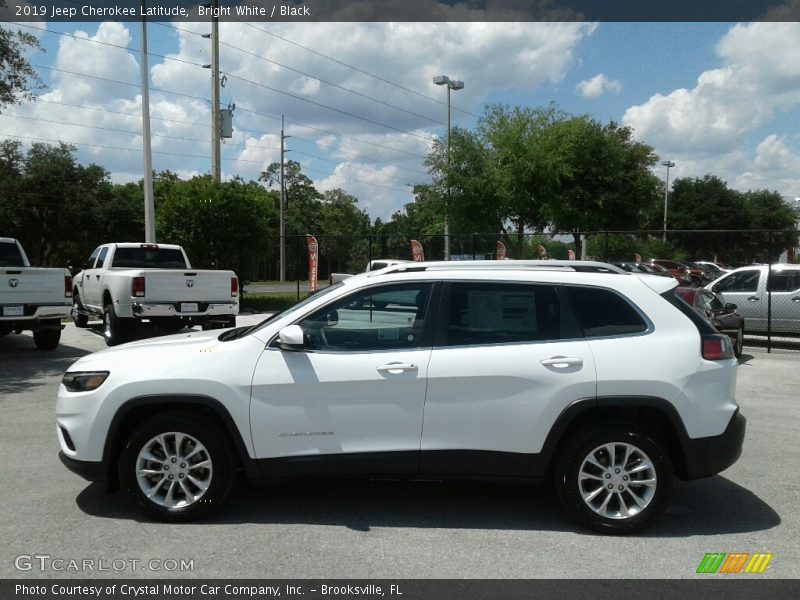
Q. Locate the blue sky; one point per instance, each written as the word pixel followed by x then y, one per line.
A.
pixel 713 97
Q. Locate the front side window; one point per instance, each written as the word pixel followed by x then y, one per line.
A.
pixel 498 313
pixel 744 281
pixel 102 258
pixel 381 318
pixel 603 313
pixel 90 262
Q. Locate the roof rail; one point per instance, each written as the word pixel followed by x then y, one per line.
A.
pixel 581 266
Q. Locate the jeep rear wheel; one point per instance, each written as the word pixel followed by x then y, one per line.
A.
pixel 178 466
pixel 614 479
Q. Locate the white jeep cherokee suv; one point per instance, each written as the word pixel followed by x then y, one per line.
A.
pixel 602 379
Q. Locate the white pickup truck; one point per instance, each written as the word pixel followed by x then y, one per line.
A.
pixel 747 288
pixel 373 265
pixel 32 299
pixel 127 282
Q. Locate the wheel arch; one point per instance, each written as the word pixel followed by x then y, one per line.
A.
pixel 652 414
pixel 136 410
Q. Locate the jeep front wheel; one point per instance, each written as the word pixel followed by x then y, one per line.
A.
pixel 614 479
pixel 178 466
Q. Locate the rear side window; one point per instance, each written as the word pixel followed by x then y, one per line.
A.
pixel 603 313
pixel 487 313
pixel 784 280
pixel 10 255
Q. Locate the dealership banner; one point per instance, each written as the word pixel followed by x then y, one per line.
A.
pixel 417 253
pixel 313 261
pixel 501 251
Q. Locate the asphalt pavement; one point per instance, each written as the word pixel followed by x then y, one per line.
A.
pixel 384 529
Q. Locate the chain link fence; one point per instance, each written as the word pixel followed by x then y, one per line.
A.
pixel 767 298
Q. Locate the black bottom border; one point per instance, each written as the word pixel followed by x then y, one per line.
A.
pixel 733 587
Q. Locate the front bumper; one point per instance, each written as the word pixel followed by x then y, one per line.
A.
pixel 205 309
pixel 89 470
pixel 708 456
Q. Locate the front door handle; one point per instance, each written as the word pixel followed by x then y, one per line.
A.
pixel 562 362
pixel 397 368
pixel 796 299
pixel 753 299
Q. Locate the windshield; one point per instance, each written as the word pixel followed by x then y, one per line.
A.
pixel 242 331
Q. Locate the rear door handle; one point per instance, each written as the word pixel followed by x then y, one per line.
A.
pixel 562 362
pixel 396 368
pixel 97 277
pixel 796 299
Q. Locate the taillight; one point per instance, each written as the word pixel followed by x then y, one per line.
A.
pixel 67 286
pixel 717 347
pixel 234 287
pixel 137 287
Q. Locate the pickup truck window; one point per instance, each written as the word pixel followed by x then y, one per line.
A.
pixel 10 255
pixel 144 258
pixel 744 281
pixel 784 281
pixel 102 258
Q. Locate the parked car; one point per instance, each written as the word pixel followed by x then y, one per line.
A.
pixel 603 379
pixel 126 282
pixel 723 316
pixel 682 272
pixel 747 287
pixel 719 268
pixel 32 298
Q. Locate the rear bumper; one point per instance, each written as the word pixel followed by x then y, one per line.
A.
pixel 33 312
pixel 144 310
pixel 710 455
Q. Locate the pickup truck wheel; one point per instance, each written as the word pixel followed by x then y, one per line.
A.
pixel 615 479
pixel 178 466
pixel 47 339
pixel 115 330
pixel 738 344
pixel 79 318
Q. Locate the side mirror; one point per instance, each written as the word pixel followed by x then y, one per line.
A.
pixel 290 338
pixel 332 318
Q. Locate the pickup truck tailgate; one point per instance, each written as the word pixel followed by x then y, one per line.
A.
pixel 30 285
pixel 188 286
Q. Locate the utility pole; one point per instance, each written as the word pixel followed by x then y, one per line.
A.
pixel 215 148
pixel 668 164
pixel 281 210
pixel 149 208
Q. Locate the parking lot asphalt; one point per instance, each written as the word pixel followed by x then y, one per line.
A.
pixel 384 529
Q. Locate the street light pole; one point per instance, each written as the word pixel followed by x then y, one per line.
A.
pixel 667 164
pixel 451 85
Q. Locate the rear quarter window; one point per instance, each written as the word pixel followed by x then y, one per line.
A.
pixel 603 313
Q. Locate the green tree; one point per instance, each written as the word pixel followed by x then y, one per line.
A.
pixel 18 80
pixel 765 210
pixel 343 229
pixel 604 178
pixel 524 168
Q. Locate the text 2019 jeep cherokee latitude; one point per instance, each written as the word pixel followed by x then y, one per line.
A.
pixel 602 379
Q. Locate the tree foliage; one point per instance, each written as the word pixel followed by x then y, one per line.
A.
pixel 18 80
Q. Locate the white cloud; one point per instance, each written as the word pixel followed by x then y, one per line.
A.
pixel 597 86
pixel 760 75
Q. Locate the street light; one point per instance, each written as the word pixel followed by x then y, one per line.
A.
pixel 451 85
pixel 667 164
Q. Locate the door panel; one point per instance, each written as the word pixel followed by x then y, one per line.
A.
pixel 745 291
pixel 501 393
pixel 358 387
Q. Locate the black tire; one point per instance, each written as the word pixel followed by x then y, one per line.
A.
pixel 79 318
pixel 738 344
pixel 47 339
pixel 169 324
pixel 115 330
pixel 190 501
pixel 652 498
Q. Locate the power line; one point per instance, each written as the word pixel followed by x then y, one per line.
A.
pixel 349 66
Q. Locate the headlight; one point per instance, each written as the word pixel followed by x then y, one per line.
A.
pixel 84 381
